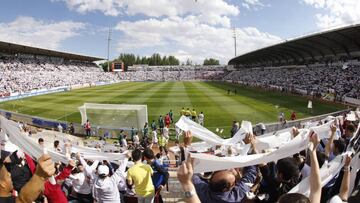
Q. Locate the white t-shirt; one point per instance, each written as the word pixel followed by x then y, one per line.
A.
pixel 201 117
pixel 136 139
pixel 123 142
pixel 335 199
pixel 154 137
pixel 166 132
pixel 60 128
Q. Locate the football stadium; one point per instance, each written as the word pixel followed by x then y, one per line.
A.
pixel 278 122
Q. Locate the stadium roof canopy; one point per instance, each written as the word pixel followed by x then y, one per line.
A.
pixel 328 45
pixel 10 48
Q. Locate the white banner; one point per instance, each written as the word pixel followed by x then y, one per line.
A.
pixel 32 148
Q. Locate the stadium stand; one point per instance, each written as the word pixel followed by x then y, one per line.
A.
pixel 318 161
pixel 304 80
pixel 27 73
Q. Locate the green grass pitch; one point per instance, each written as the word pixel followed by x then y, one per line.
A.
pixel 220 109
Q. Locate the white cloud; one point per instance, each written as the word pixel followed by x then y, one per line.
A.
pixel 29 31
pixel 249 4
pixel 338 12
pixel 190 38
pixel 214 12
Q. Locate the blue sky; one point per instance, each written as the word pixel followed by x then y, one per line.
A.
pixel 184 28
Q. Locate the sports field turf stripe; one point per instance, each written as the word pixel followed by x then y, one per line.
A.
pixel 57 104
pixel 125 97
pixel 286 103
pixel 227 103
pixel 139 95
pixel 266 110
pixel 52 101
pixel 254 110
pixel 215 116
pixel 109 98
pixel 157 103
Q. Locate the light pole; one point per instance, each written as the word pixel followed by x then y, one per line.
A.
pixel 234 36
pixel 108 50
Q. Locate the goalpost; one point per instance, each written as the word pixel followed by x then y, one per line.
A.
pixel 114 116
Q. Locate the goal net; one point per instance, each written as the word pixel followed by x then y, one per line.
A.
pixel 114 116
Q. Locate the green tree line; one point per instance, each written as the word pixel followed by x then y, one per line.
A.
pixel 211 61
pixel 154 60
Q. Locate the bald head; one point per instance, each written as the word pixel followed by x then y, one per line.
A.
pixel 222 181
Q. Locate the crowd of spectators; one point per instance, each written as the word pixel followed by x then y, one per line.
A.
pixel 172 75
pixel 33 73
pixel 142 174
pixel 339 80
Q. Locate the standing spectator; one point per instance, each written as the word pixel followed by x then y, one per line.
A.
pixel 41 142
pixel 136 140
pixel 132 133
pixel 183 112
pixel 87 127
pixel 349 133
pixel 162 140
pixel 193 115
pixel 161 123
pixel 121 135
pixel 201 118
pixel 139 175
pixel 54 193
pixel 123 142
pixel 153 126
pixel 160 175
pixel 188 113
pixel 81 185
pixel 146 130
pixel 57 147
pixel 60 128
pixel 19 169
pixel 235 128
pixel 286 178
pixel 293 116
pixel 71 129
pixel 105 187
pixel 262 128
pixel 33 188
pixel 281 117
pixel 171 116
pixel 167 120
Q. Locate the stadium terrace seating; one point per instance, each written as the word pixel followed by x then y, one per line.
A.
pixel 314 80
pixel 26 74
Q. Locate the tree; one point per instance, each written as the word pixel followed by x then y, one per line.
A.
pixel 210 62
pixel 173 61
pixel 138 60
pixel 189 62
pixel 165 61
pixel 104 66
pixel 144 60
pixel 154 60
pixel 127 59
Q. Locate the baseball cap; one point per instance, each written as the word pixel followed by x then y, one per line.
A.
pixel 103 170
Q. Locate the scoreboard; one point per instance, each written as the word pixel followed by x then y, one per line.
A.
pixel 117 67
